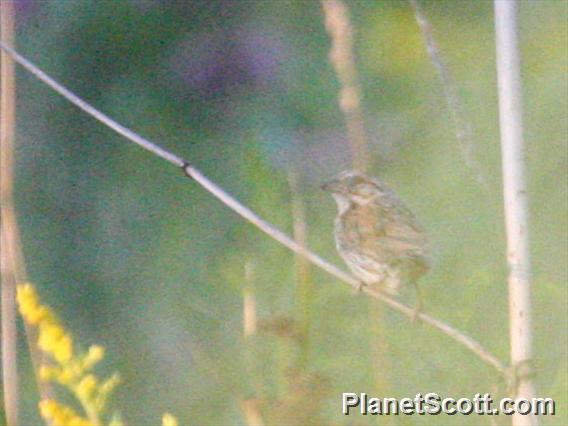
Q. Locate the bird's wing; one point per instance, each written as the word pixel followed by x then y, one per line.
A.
pixel 399 232
pixel 401 223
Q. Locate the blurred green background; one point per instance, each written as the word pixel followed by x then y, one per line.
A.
pixel 136 257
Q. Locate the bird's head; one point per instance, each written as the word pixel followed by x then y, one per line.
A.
pixel 350 187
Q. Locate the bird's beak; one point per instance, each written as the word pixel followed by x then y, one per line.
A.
pixel 331 186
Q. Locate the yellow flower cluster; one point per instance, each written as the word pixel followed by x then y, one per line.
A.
pixel 68 369
pixel 52 337
pixel 58 414
pixel 71 370
pixel 169 420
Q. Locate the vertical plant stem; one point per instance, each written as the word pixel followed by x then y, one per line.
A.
pixel 251 412
pixel 304 285
pixel 250 407
pixel 249 302
pixel 341 56
pixel 7 263
pixel 515 198
pixel 9 338
pixel 340 30
pixel 13 268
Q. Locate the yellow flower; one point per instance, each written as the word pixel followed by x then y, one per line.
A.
pixel 47 372
pixel 116 422
pixel 65 376
pixel 108 385
pixel 52 337
pixel 54 341
pixel 30 308
pixel 61 415
pixel 169 420
pixel 87 387
pixel 95 354
pixel 70 370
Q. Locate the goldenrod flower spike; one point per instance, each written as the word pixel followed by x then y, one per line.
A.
pixel 70 370
pixel 169 420
pixel 53 339
pixel 60 415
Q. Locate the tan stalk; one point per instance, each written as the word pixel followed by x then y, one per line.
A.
pixel 251 412
pixel 12 270
pixel 250 407
pixel 304 284
pixel 337 23
pixel 342 57
pixel 8 232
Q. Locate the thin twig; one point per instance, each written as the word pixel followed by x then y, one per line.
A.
pixel 462 126
pixel 337 23
pixel 515 198
pixel 251 217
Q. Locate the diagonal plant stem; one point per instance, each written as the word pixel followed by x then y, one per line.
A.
pixel 253 218
pixel 462 126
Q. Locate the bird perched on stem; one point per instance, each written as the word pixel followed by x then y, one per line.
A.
pixel 377 236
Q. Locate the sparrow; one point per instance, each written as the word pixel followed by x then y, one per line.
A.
pixel 378 237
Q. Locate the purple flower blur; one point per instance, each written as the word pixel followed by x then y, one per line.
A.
pixel 215 63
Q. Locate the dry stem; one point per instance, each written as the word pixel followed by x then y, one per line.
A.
pixel 8 264
pixel 13 269
pixel 341 56
pixel 304 283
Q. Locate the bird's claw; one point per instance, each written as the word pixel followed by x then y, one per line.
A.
pixel 419 307
pixel 358 288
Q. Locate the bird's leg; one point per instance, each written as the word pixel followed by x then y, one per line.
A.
pixel 419 307
pixel 358 287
